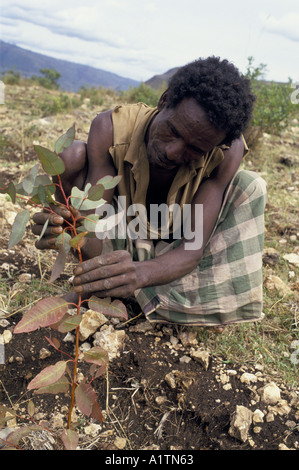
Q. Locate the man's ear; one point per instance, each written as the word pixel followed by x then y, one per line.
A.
pixel 162 100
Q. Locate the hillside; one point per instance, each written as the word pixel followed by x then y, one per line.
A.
pixel 73 75
pixel 158 80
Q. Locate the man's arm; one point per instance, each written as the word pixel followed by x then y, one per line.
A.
pixel 117 275
pixel 84 163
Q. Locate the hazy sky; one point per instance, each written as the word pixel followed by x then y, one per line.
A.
pixel 140 38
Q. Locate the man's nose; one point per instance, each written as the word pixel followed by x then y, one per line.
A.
pixel 175 150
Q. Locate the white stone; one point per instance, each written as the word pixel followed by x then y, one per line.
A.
pixel 6 337
pixel 240 423
pixel 270 393
pixel 202 356
pixel 292 258
pixel 110 340
pixel 248 378
pixel 91 321
pixel 258 416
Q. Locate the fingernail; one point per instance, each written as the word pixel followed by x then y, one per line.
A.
pixel 66 214
pixel 77 271
pixel 78 289
pixel 58 220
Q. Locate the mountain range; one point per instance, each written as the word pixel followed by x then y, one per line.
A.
pixel 73 75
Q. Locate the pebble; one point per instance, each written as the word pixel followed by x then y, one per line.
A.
pixel 248 378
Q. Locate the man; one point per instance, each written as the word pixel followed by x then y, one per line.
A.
pixel 187 152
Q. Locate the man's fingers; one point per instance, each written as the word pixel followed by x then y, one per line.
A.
pixel 50 230
pixel 103 272
pixel 119 256
pixel 46 243
pixel 104 285
pixel 40 218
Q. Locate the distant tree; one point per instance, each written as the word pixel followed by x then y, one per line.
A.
pixel 50 78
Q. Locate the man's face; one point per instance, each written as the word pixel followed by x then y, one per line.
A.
pixel 179 135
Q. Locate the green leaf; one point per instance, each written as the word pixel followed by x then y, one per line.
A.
pixel 96 192
pixel 78 240
pixel 77 197
pixel 48 376
pixel 51 162
pixel 109 181
pixel 88 204
pixel 19 227
pixel 106 307
pixel 80 202
pixel 65 140
pixel 63 241
pixel 44 229
pixel 90 222
pixel 28 182
pixel 46 312
pixel 11 190
pixel 70 439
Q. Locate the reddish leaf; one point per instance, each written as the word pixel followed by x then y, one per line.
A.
pixel 106 307
pixel 54 342
pixel 61 386
pixel 70 439
pixel 68 323
pixel 96 355
pixel 58 265
pixel 48 376
pixel 85 398
pixel 46 312
pixel 96 412
pixel 14 437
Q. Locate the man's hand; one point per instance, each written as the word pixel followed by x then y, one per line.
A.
pixel 109 275
pixel 54 228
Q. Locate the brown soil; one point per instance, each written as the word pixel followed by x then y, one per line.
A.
pixel 141 406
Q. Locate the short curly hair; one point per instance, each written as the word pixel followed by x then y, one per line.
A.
pixel 222 91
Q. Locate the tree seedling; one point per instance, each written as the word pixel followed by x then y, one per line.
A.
pixel 37 191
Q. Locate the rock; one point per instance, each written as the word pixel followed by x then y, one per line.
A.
pixel 292 258
pixel 281 408
pixel 188 338
pixel 258 416
pixel 270 256
pixel 170 380
pixel 110 340
pixel 44 353
pixel 142 327
pixel 120 443
pixel 270 393
pixel 25 278
pixel 5 337
pixel 90 322
pixel 202 356
pixel 248 378
pixel 240 423
pixel 274 283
